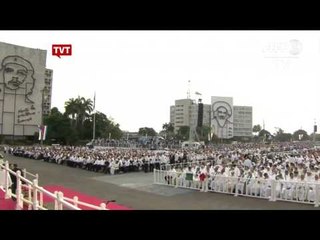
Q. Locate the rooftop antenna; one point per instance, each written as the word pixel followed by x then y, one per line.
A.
pixel 188 93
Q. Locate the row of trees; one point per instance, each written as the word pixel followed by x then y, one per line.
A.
pixel 281 136
pixel 76 123
pixel 260 134
pixel 183 132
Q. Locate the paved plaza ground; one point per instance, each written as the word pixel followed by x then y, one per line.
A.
pixel 137 191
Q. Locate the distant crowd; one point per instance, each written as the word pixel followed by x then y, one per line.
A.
pixel 278 160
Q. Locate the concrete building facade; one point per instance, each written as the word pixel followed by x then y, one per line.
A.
pixel 185 113
pixel 23 77
pixel 47 97
pixel 242 121
pixel 225 119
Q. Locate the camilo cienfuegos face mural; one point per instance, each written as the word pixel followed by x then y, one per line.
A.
pixel 222 117
pixel 222 113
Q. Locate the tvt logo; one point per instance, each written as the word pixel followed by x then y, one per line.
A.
pixel 61 50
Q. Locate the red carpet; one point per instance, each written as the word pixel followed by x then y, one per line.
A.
pixel 6 204
pixel 67 192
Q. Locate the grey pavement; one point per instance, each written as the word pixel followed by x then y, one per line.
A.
pixel 135 190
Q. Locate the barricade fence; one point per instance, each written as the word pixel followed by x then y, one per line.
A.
pixel 182 165
pixel 29 193
pixel 272 190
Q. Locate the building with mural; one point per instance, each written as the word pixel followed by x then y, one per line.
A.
pixel 25 89
pixel 226 120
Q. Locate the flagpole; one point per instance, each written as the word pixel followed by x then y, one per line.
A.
pixel 42 130
pixel 94 118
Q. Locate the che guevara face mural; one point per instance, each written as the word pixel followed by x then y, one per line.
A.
pixel 17 73
pixel 20 99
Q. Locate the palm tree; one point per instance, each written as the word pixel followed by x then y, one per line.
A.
pixel 79 109
pixel 86 107
pixel 71 109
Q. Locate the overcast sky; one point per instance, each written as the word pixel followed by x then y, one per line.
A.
pixel 137 75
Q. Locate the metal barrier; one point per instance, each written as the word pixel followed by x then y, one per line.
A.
pixel 183 165
pixel 272 190
pixel 26 174
pixel 34 200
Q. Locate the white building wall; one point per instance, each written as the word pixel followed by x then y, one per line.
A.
pixel 226 120
pixel 242 121
pixel 184 113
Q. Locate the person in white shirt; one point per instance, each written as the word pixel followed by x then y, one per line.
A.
pixel 301 188
pixel 266 186
pixel 254 186
pixel 247 163
pixel 189 177
pixel 312 189
pixel 309 177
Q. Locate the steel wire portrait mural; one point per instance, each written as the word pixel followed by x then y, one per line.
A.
pixel 222 119
pixel 17 74
pixel 17 103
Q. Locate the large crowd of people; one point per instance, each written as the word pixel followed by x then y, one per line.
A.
pixel 248 163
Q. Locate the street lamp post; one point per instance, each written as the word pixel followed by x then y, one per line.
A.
pixel 314 130
pixel 94 119
pixel 44 92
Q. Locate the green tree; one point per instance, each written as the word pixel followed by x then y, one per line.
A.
pixel 79 109
pixel 167 130
pixel 168 127
pixel 203 133
pixel 300 135
pixel 59 129
pixel 71 110
pixel 147 131
pixel 256 128
pixel 265 135
pixel 183 133
pixel 281 136
pixel 77 123
pixel 85 108
pixel 104 127
pixel 317 136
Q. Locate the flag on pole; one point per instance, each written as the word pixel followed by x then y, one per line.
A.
pixel 197 93
pixel 42 132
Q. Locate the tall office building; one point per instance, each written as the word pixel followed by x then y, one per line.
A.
pixel 225 119
pixel 185 113
pixel 242 121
